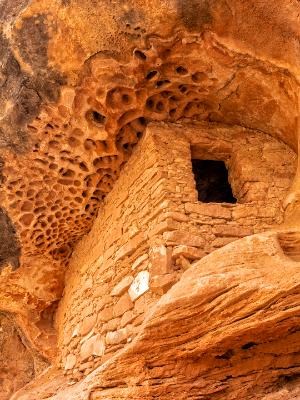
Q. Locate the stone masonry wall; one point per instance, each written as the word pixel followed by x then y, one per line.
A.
pixel 151 228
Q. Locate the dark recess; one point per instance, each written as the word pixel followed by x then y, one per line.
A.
pixel 212 182
pixel 10 250
pixel 226 356
pixel 27 92
pixel 249 345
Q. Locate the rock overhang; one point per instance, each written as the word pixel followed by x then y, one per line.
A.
pixel 120 28
pixel 79 84
pixel 178 66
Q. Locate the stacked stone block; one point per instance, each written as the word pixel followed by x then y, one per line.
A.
pixel 151 228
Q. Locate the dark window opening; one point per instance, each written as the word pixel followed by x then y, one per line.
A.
pixel 212 182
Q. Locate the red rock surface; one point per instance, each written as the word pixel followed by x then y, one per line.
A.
pixel 229 329
pixel 19 364
pixel 113 271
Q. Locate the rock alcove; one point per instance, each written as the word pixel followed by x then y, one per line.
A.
pixel 136 141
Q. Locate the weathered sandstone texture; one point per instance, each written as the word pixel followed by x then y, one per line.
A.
pixel 125 271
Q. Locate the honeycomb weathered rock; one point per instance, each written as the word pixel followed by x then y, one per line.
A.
pixel 81 144
pixel 79 84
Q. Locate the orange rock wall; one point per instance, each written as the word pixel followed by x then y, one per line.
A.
pixel 80 83
pixel 151 228
pixel 19 362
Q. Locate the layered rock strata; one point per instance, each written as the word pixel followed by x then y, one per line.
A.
pixel 103 108
pixel 228 329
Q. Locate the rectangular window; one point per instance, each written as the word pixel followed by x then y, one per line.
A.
pixel 212 182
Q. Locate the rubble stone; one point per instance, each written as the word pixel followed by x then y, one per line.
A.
pixel 126 270
pixel 122 286
pixel 94 346
pixel 139 286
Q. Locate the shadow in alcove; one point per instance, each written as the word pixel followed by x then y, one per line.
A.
pixel 212 182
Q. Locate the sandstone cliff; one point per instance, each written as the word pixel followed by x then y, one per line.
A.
pixel 126 272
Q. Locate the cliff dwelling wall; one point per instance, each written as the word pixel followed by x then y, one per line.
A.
pixel 152 227
pixel 149 200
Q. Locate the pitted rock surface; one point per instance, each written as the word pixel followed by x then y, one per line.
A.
pixel 82 84
pixel 81 145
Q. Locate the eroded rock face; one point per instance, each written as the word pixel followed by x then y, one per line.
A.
pixel 10 248
pixel 228 329
pixel 19 363
pixel 80 82
pixel 81 144
pixel 78 146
